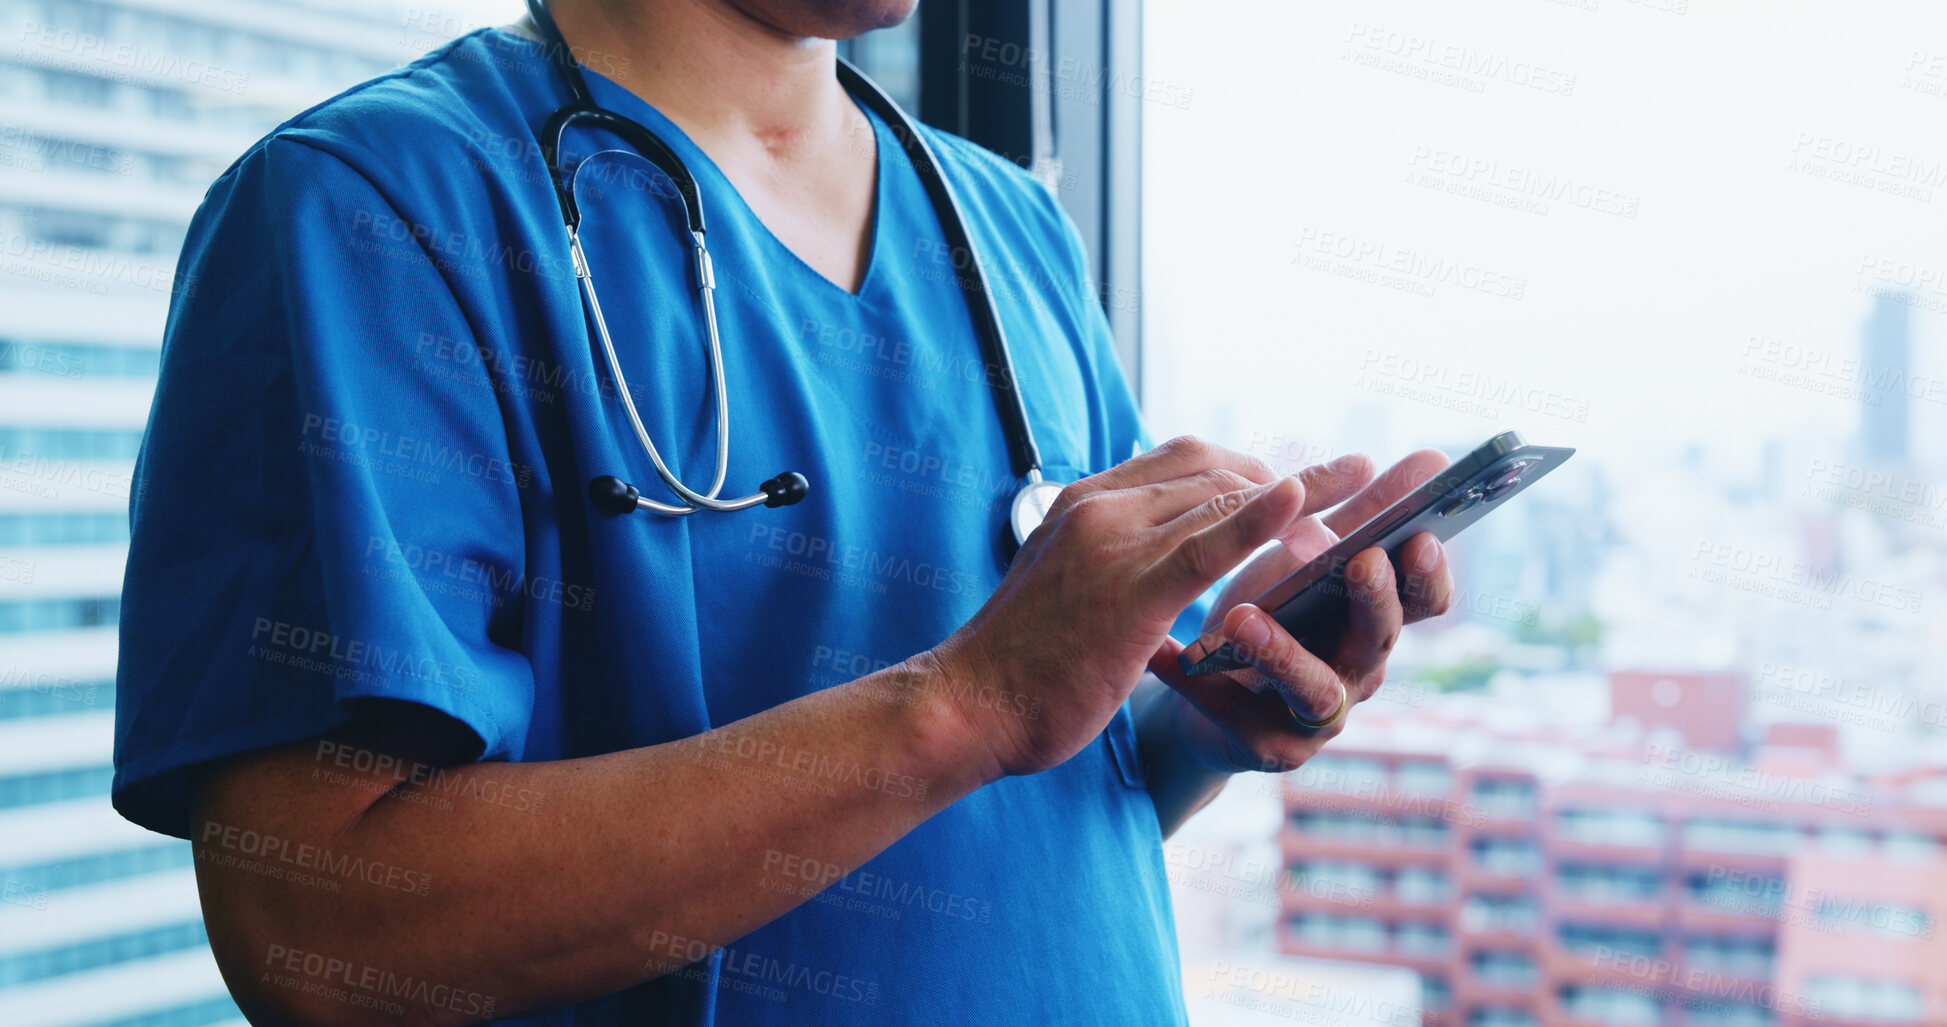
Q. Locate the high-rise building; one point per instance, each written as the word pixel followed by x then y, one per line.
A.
pixel 115 116
pixel 1885 363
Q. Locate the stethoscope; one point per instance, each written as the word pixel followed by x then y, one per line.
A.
pixel 614 495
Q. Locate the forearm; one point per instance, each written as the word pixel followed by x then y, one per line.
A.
pixel 635 863
pixel 1179 784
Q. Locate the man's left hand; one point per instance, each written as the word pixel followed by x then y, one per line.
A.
pixel 1247 719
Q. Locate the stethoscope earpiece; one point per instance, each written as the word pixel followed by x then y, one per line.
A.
pixel 612 494
pixel 785 489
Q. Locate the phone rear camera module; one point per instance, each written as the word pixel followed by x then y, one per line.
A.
pixel 1507 481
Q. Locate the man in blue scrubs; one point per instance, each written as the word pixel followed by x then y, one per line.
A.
pixel 455 746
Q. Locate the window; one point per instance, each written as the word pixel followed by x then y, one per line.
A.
pixel 1344 827
pixel 75 360
pixel 1737 892
pixel 1354 827
pixel 94 869
pixel 64 157
pixel 1612 1006
pixel 1604 883
pixel 1514 856
pixel 159 239
pixel 1421 885
pixel 54 786
pixel 30 529
pixel 47 696
pixel 1425 832
pixel 1496 1016
pixel 1589 939
pixel 1422 939
pixel 1610 827
pixel 1435 992
pixel 172 104
pixel 1483 912
pixel 1352 881
pixel 1726 1014
pixel 1743 956
pixel 90 18
pixel 1509 797
pixel 68 228
pixel 38 965
pixel 1864 998
pixel 24 615
pixel 104 444
pixel 1351 933
pixel 1754 836
pixel 80 90
pixel 1504 968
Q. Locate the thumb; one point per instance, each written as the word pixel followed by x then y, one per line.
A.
pixel 1214 695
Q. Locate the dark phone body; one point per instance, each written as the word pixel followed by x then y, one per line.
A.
pixel 1311 602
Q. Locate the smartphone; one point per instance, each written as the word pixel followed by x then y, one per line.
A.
pixel 1311 603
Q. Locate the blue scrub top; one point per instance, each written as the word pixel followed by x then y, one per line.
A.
pixel 365 477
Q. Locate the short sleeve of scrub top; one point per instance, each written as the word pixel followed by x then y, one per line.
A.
pixel 284 511
pixel 365 477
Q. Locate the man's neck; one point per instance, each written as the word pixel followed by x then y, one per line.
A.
pixel 722 76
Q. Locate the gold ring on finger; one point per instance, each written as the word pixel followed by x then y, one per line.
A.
pixel 1344 701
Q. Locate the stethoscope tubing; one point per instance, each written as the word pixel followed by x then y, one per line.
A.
pixel 975 290
pixel 704 501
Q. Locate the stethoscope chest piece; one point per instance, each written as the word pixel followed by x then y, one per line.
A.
pixel 1031 506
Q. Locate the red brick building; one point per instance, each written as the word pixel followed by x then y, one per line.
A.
pixel 1624 877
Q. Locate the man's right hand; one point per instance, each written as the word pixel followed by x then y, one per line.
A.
pixel 1094 591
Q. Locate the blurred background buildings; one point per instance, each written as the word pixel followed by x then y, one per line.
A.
pixel 1652 869
pixel 1677 756
pixel 117 117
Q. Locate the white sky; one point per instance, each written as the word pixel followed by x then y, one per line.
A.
pixel 1699 114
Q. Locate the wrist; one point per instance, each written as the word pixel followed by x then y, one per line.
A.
pixel 1182 779
pixel 1172 733
pixel 937 730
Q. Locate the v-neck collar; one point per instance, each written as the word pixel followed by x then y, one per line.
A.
pixel 617 97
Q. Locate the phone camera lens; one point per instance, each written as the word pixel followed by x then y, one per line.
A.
pixel 1506 481
pixel 1464 502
